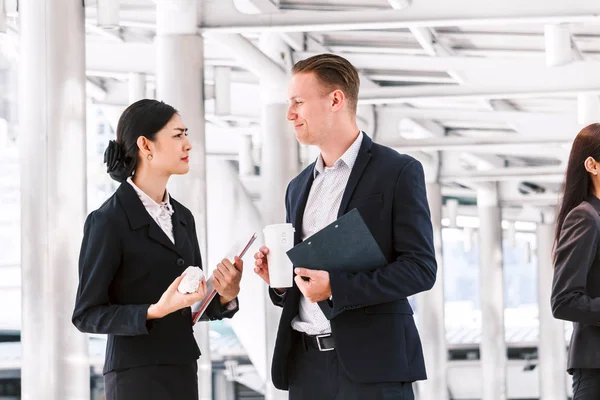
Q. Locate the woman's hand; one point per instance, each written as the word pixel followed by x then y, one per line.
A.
pixel 226 279
pixel 172 300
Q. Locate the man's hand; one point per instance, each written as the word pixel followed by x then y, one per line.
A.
pixel 317 288
pixel 226 279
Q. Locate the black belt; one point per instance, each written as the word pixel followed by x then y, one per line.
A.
pixel 323 342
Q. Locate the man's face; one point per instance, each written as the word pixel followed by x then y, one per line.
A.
pixel 309 108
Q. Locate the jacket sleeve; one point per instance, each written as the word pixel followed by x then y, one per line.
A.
pixel 575 254
pixel 215 310
pixel 414 269
pixel 99 260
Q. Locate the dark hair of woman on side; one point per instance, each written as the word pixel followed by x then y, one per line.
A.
pixel 576 280
pixel 134 252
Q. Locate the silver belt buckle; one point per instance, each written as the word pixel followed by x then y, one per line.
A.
pixel 319 342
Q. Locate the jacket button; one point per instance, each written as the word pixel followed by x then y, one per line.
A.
pixel 180 262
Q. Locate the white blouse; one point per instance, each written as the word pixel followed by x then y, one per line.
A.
pixel 161 213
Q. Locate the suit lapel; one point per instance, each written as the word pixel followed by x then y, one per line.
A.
pixel 305 185
pixel 179 228
pixel 138 217
pixel 156 233
pixel 362 160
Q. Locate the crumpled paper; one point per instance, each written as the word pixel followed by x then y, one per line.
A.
pixel 191 280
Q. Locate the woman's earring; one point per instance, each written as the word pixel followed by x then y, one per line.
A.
pixel 150 157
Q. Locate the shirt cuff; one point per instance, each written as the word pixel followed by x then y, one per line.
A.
pixel 232 305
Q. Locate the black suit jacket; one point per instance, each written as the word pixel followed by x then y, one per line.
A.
pixel 576 282
pixel 125 264
pixel 371 320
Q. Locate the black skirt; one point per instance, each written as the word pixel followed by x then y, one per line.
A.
pixel 153 382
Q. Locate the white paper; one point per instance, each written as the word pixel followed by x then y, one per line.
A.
pixel 191 280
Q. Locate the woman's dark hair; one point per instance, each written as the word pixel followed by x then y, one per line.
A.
pixel 578 183
pixel 142 118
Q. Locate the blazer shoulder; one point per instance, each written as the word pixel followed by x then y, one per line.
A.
pixel 390 156
pixel 110 213
pixel 584 211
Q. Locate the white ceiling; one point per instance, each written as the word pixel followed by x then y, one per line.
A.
pixel 463 69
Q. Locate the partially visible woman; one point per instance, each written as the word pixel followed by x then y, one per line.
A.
pixel 576 282
pixel 134 251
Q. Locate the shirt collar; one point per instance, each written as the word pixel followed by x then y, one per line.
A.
pixel 348 158
pixel 148 202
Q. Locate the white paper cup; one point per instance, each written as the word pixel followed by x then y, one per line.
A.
pixel 279 238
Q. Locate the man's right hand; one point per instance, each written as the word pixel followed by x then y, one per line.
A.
pixel 261 266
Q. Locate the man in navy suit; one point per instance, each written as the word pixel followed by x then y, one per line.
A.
pixel 347 335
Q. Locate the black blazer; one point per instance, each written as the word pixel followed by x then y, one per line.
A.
pixel 126 263
pixel 371 320
pixel 576 282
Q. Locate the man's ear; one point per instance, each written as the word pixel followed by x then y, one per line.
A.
pixel 337 100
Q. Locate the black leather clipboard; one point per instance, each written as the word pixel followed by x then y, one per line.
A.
pixel 345 244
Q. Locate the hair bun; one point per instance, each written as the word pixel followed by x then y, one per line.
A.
pixel 115 165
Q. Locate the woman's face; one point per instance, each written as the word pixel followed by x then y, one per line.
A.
pixel 170 149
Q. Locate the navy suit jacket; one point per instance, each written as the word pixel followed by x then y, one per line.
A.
pixel 371 320
pixel 125 264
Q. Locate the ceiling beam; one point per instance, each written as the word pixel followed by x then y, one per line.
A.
pixel 450 143
pixel 478 116
pixel 403 94
pixel 420 14
pixel 251 57
pixel 536 174
pixel 499 65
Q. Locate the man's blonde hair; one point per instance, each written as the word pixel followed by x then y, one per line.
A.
pixel 334 72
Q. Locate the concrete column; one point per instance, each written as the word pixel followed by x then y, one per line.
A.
pixel 222 90
pixel 491 278
pixel 552 351
pixel 137 86
pixel 588 108
pixel 430 311
pixel 224 388
pixel 558 44
pixel 179 82
pixel 55 363
pixel 246 160
pixel 279 164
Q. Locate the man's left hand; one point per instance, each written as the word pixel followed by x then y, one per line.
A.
pixel 226 279
pixel 317 288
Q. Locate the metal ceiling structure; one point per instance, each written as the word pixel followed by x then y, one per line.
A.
pixel 497 92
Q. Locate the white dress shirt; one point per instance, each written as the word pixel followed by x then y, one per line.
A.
pixel 161 213
pixel 322 208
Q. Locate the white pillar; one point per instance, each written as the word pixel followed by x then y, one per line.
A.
pixel 246 160
pixel 224 387
pixel 55 363
pixel 430 310
pixel 558 44
pixel 108 13
pixel 491 278
pixel 552 346
pixel 279 164
pixel 588 108
pixel 222 90
pixel 137 86
pixel 179 82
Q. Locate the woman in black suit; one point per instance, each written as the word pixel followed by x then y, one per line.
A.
pixel 134 251
pixel 576 283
